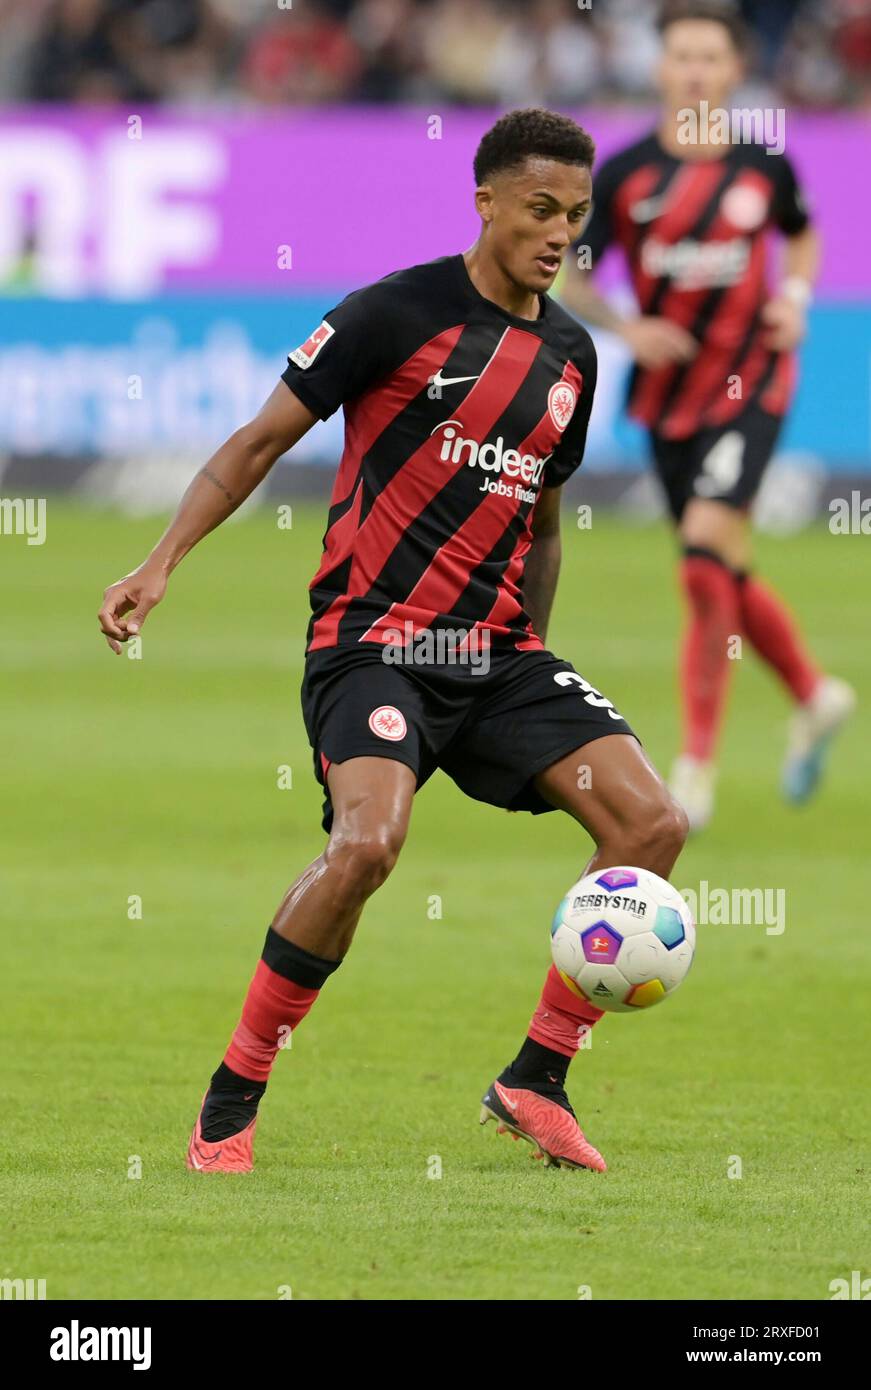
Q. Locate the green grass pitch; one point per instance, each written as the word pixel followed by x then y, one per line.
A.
pixel 157 779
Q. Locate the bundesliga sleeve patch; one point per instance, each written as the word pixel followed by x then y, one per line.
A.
pixel 305 354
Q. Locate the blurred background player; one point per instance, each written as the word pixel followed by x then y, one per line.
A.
pixel 713 376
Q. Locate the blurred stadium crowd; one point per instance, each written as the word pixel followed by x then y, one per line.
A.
pixel 197 53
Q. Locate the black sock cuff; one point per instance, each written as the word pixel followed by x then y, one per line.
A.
pixel 224 1080
pixel 535 1062
pixel 295 964
pixel 701 552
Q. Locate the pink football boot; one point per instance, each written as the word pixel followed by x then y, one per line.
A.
pixel 233 1155
pixel 550 1127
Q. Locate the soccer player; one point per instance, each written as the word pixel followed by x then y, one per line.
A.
pixel 466 393
pixel 714 368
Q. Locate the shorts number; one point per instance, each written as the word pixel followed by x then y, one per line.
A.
pixel 592 696
pixel 722 465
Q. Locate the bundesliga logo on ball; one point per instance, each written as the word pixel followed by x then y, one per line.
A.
pixel 623 939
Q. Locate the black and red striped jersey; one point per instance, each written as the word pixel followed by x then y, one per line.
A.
pixel 457 414
pixel 694 236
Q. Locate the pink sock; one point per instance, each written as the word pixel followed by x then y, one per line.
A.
pixel 273 1007
pixel 771 630
pixel 561 1019
pixel 712 592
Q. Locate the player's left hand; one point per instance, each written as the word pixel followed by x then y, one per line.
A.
pixel 785 322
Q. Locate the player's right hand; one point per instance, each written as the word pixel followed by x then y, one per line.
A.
pixel 657 342
pixel 134 595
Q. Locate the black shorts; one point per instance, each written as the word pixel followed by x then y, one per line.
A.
pixel 724 463
pixel 492 732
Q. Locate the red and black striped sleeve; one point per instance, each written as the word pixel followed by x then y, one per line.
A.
pixel 569 453
pixel 347 353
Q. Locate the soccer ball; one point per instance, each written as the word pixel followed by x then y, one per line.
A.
pixel 623 939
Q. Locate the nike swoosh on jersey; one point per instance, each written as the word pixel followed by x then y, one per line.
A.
pixel 439 380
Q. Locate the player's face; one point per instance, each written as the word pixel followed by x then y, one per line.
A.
pixel 532 215
pixel 699 63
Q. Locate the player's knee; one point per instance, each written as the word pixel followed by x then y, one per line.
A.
pixel 657 837
pixel 669 827
pixel 365 856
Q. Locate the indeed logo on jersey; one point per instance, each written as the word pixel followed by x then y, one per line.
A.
pixel 696 265
pixel 492 458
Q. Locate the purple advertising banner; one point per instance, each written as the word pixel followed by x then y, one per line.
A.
pixel 130 205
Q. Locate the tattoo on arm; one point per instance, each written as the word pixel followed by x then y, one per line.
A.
pixel 218 484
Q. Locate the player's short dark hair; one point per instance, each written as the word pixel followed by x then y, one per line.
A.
pixel 719 11
pixel 533 133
